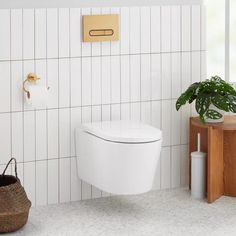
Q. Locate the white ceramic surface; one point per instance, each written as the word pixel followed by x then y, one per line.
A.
pixel 117 167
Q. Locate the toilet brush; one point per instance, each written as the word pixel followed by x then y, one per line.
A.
pixel 198 172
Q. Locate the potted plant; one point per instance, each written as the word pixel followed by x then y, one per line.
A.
pixel 212 98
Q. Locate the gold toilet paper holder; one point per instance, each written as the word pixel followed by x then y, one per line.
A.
pixel 31 78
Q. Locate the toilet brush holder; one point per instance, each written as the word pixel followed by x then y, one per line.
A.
pixel 198 173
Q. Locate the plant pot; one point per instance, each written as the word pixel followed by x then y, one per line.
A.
pixel 213 107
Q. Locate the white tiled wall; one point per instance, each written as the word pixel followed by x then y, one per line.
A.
pixel 160 52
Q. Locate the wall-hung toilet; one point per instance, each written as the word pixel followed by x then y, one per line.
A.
pixel 118 157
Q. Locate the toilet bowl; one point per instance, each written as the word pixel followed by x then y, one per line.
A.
pixel 118 157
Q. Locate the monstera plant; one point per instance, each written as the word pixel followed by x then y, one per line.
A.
pixel 211 97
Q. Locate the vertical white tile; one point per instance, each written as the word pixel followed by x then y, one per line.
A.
pixel 165 168
pixel 96 193
pixel 96 81
pixel 5 34
pixel 165 28
pixel 75 181
pixel 145 77
pixel 156 114
pixel 175 166
pixel 166 122
pixel 96 46
pixel 125 79
pixel 53 82
pixel 16 34
pixel 29 136
pixel 115 45
pixel 146 112
pixel 86 48
pixel 86 81
pixel 186 70
pixel 196 67
pixel 29 181
pixel 135 89
pixel 5 137
pixel 52 33
pixel 63 33
pixel 52 132
pixel 196 27
pixel 28 33
pixel 106 112
pixel 41 134
pixel 64 83
pixel 41 71
pixel 41 183
pixel 135 30
pixel 86 114
pixel 53 182
pixel 176 75
pixel 106 80
pixel 157 179
pixel 155 29
pixel 203 28
pixel 175 28
pixel 135 111
pixel 17 136
pixel 156 76
pixel 40 33
pixel 86 191
pixel 64 132
pixel 5 81
pixel 185 114
pixel 20 172
pixel 16 86
pixel 86 188
pixel 203 66
pixel 186 28
pixel 124 30
pixel 75 32
pixel 175 124
pixel 115 112
pixel 96 113
pixel 75 123
pixel 184 166
pixel 75 71
pixel 115 79
pixel 145 30
pixel 166 76
pixel 106 46
pixel 64 180
pixel 125 111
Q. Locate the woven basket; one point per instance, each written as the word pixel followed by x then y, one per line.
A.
pixel 14 204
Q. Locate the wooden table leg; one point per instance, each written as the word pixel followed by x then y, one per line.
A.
pixel 215 165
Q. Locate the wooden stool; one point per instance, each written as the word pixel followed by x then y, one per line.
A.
pixel 219 142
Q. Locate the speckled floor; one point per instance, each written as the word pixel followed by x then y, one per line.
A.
pixel 169 212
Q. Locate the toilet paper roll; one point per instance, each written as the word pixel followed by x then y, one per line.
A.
pixel 38 96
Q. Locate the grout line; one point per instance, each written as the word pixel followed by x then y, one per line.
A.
pixel 46 108
pixel 112 55
pixel 58 71
pixel 70 126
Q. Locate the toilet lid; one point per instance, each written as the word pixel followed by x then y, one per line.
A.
pixel 123 131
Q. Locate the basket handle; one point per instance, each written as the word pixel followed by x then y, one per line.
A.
pixel 9 164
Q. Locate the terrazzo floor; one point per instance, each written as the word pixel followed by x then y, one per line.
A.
pixel 168 212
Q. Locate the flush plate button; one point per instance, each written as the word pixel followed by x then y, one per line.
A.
pixel 98 28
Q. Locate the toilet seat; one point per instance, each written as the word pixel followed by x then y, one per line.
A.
pixel 123 131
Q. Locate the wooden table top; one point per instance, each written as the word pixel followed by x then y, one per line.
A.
pixel 228 124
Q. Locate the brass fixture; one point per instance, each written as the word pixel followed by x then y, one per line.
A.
pixel 98 28
pixel 31 78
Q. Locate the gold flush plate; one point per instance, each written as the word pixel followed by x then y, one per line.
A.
pixel 98 28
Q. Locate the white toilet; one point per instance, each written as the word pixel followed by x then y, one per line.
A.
pixel 118 157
